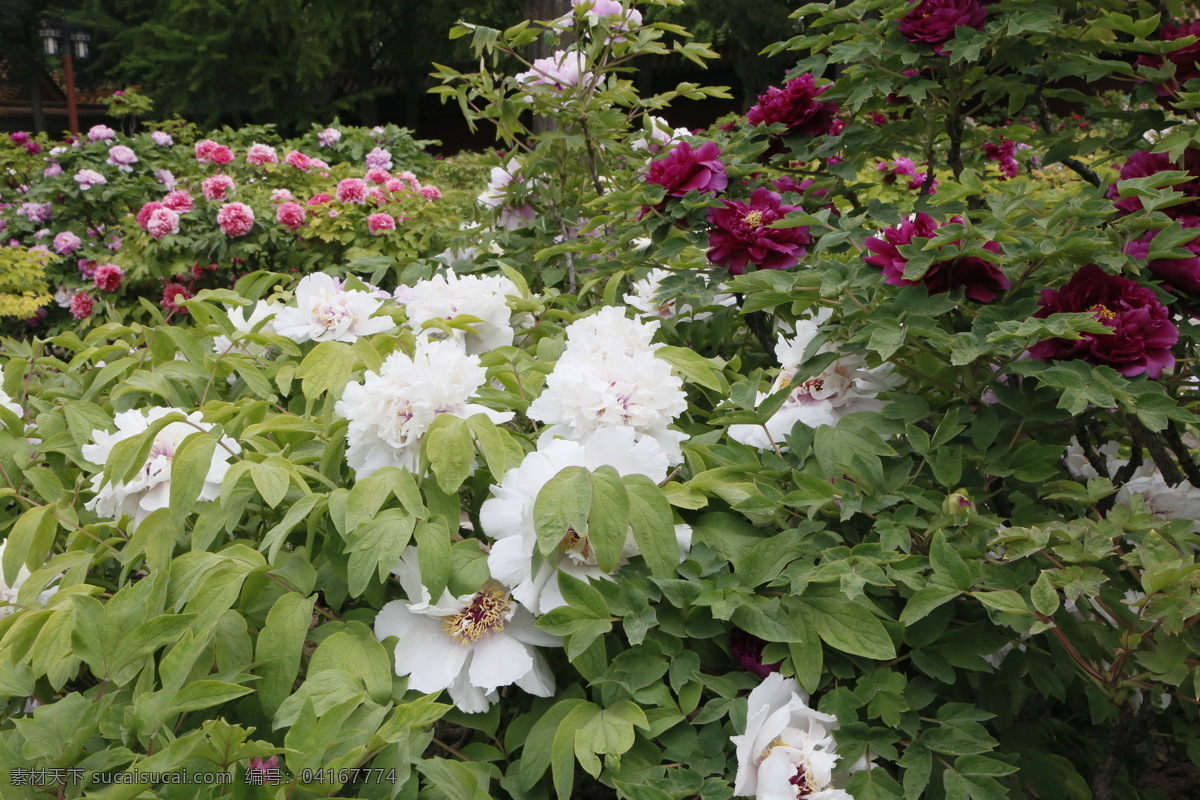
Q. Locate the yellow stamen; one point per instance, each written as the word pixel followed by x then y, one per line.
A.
pixel 1102 311
pixel 754 219
pixel 487 612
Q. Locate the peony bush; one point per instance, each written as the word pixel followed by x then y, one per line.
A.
pixel 845 450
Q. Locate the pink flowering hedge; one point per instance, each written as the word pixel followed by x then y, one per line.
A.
pixel 847 450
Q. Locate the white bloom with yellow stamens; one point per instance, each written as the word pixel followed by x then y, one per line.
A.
pixel 325 312
pixel 150 489
pixel 470 645
pixel 787 751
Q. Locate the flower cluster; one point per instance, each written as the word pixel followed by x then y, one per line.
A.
pixel 980 279
pixel 934 22
pixel 796 106
pixel 447 296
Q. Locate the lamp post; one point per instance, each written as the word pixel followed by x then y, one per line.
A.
pixel 63 39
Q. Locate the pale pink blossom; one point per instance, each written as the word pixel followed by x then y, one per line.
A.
pixel 431 192
pixel 122 157
pixel 98 133
pixel 298 160
pixel 329 137
pixel 563 69
pixel 66 243
pixel 53 170
pixel 87 178
pixel 291 215
pixel 180 202
pixel 166 178
pixel 281 196
pixel 261 155
pixel 162 139
pixel 217 187
pixel 162 222
pixel 235 219
pixel 379 158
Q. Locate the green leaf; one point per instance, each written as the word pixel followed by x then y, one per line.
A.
pixel 1005 600
pixel 653 525
pixel 562 506
pixel 356 650
pixel 450 451
pixel 272 478
pixel 279 647
pixel 29 541
pixel 326 369
pixel 189 470
pixel 850 627
pixel 1044 595
pixel 948 565
pixel 608 521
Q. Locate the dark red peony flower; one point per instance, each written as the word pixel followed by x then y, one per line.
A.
pixel 174 294
pixel 747 651
pixel 933 22
pixel 1142 332
pixel 1179 274
pixel 797 107
pixel 686 170
pixel 982 280
pixel 1143 164
pixel 1186 59
pixel 1005 154
pixel 741 235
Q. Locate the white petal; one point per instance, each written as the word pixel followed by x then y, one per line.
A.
pixel 499 660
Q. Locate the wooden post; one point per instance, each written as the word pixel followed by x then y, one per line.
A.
pixel 72 110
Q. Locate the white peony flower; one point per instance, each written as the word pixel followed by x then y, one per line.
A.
pixel 471 645
pixel 658 135
pixel 496 196
pixel 1162 499
pixel 564 68
pixel 262 312
pixel 645 298
pixel 8 594
pixel 11 405
pixel 788 749
pixel 390 411
pixel 325 312
pixel 150 489
pixel 608 376
pixel 448 295
pixel 845 387
pixel 507 515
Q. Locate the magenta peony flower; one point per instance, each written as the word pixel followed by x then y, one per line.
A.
pixel 796 106
pixel 1143 164
pixel 1186 59
pixel 235 219
pixel 173 295
pixel 19 137
pixel 87 178
pixel 122 157
pixel 179 201
pixel 982 280
pixel 741 234
pixel 162 222
pixel 747 651
pixel 217 187
pixel 1005 154
pixel 686 170
pixel 261 154
pixel 204 150
pixel 222 155
pixel 1179 274
pixel 380 224
pixel 933 22
pixel 906 168
pixel 298 160
pixel 66 243
pixel 107 277
pixel 87 267
pixel 291 215
pixel 1142 332
pixel 352 190
pixel 81 305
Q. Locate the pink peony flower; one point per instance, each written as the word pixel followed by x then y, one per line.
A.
pixel 204 150
pixel 379 176
pixel 352 190
pixel 563 69
pixel 222 155
pixel 298 160
pixel 107 277
pixel 409 180
pixel 1005 154
pixel 180 202
pixel 934 22
pixel 379 158
pixel 161 139
pixel 87 267
pixel 741 234
pixel 81 305
pixel 19 137
pixel 166 178
pixel 217 187
pixel 380 224
pixel 431 192
pixel 1142 333
pixel 87 178
pixel 291 215
pixel 905 167
pixel 173 295
pixel 143 215
pixel 66 243
pixel 235 219
pixel 329 137
pixel 260 155
pixel 796 106
pixel 36 212
pixel 162 222
pixel 98 133
pixel 378 195
pixel 319 199
pixel 53 170
pixel 281 195
pixel 122 157
pixel 686 170
pixel 982 280
pixel 395 185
